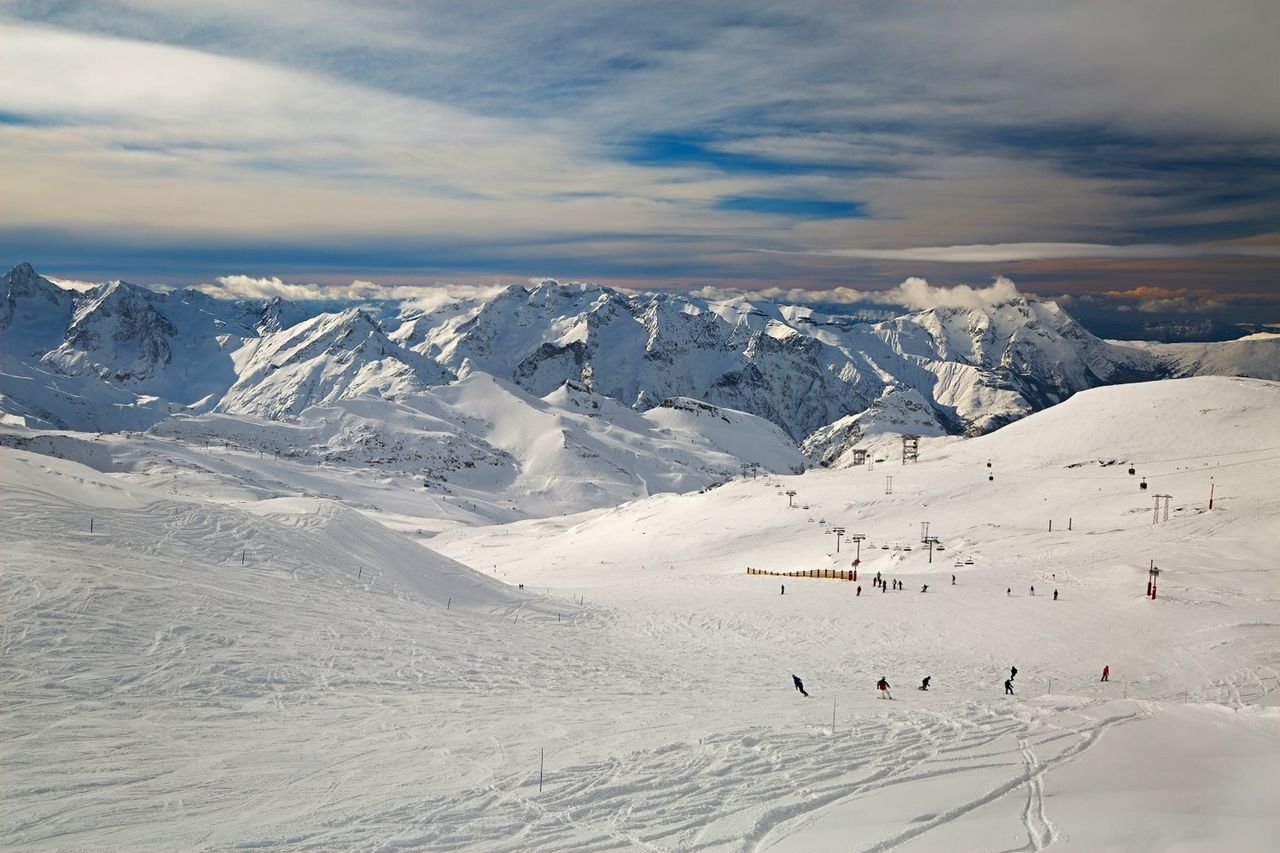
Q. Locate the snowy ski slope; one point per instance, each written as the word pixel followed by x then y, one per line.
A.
pixel 290 674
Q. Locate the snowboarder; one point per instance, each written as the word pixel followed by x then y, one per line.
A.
pixel 1055 595
pixel 883 686
pixel 1106 672
pixel 924 685
pixel 859 592
pixel 1013 673
pixel 1008 687
pixel 924 588
pixel 784 589
pixel 799 685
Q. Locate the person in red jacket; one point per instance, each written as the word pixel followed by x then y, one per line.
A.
pixel 883 686
pixel 1106 673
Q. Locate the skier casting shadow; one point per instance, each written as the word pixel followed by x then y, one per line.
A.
pixel 924 685
pixel 799 685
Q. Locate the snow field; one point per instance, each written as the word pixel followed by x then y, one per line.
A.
pixel 158 695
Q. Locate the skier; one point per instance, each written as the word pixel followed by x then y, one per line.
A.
pixel 1033 589
pixel 924 685
pixel 1013 673
pixel 799 685
pixel 884 587
pixel 1008 687
pixel 953 580
pixel 1055 595
pixel 1106 672
pixel 859 592
pixel 784 589
pixel 1008 590
pixel 883 686
pixel 924 588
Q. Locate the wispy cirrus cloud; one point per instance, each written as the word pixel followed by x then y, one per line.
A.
pixel 453 137
pixel 1005 252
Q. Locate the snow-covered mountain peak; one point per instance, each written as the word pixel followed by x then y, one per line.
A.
pixel 116 332
pixel 30 299
pixel 323 359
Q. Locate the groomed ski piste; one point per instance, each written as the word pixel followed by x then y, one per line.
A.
pixel 180 672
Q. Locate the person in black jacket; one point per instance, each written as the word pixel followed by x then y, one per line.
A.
pixel 1008 686
pixel 799 684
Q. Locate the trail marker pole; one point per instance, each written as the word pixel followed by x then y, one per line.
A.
pixel 1050 686
pixel 242 553
pixel 542 755
pixel 833 716
pixel 90 524
pixel 1211 493
pixel 448 605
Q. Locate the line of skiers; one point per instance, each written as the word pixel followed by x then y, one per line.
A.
pixel 883 684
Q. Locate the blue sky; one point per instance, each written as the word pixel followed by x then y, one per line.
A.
pixel 1126 148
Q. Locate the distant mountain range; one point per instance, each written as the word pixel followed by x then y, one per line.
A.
pixel 125 357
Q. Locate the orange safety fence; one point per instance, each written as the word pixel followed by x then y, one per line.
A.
pixel 834 574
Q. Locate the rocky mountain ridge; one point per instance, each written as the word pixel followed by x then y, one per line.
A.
pixel 123 356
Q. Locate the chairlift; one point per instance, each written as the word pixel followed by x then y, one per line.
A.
pixel 939 548
pixel 884 547
pixel 959 563
pixel 968 562
pixel 906 548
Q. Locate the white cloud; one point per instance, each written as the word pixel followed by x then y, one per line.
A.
pixel 73 284
pixel 424 297
pixel 915 294
pixel 918 295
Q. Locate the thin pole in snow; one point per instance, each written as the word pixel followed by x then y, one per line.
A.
pixel 1051 525
pixel 90 524
pixel 242 553
pixel 1126 690
pixel 833 716
pixel 542 755
pixel 1068 522
pixel 1050 686
pixel 448 604
pixel 360 573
